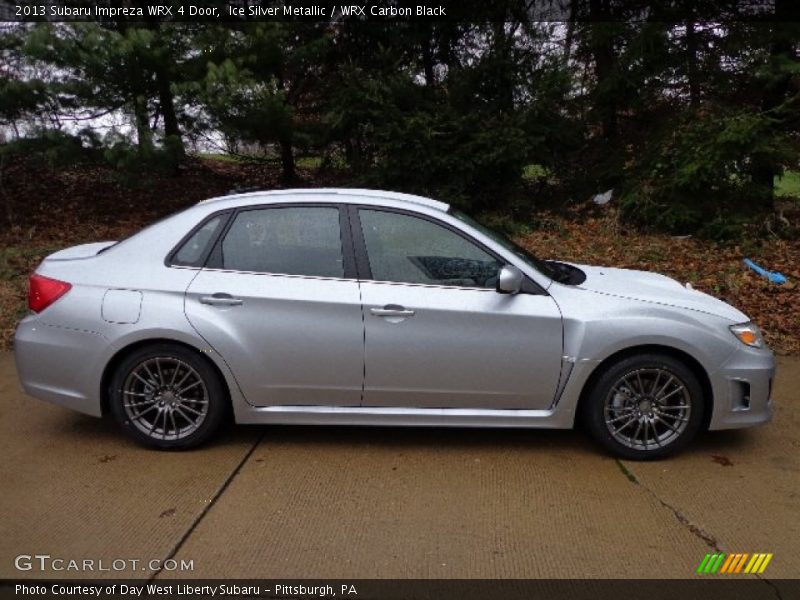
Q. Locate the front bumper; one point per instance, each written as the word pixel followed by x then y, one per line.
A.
pixel 59 364
pixel 742 389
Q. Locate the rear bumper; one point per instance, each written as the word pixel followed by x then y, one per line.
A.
pixel 743 390
pixel 60 365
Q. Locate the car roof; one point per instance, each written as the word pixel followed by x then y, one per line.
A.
pixel 314 193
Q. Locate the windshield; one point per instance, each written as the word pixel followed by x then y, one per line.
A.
pixel 507 243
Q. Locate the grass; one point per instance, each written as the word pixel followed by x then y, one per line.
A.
pixel 309 162
pixel 16 263
pixel 535 172
pixel 788 186
pixel 303 162
pixel 18 260
pixel 15 266
pixel 218 156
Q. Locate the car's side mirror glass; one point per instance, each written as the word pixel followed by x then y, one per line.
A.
pixel 509 281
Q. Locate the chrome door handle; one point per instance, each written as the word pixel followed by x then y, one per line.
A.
pixel 220 299
pixel 391 310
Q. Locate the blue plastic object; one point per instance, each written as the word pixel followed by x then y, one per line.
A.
pixel 776 278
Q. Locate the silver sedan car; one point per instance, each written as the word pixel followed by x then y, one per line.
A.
pixel 361 307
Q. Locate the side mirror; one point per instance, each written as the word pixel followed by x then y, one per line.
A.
pixel 509 281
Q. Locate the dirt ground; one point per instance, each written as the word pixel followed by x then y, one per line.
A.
pixel 383 503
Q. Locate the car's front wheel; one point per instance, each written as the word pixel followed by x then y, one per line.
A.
pixel 167 396
pixel 644 407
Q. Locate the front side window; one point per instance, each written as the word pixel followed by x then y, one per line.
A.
pixel 502 239
pixel 302 240
pixel 408 249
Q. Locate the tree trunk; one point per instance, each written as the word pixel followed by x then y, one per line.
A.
pixel 138 97
pixel 427 59
pixel 166 102
pixel 568 38
pixel 501 49
pixel 285 134
pixel 143 133
pixel 604 60
pixel 287 160
pixel 166 99
pixel 691 58
pixel 776 90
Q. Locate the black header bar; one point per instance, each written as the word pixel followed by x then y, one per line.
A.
pixel 221 11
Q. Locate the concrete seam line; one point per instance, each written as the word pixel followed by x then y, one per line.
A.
pixel 772 585
pixel 221 490
pixel 627 472
pixel 695 529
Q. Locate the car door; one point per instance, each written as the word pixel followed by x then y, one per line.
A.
pixel 280 303
pixel 437 333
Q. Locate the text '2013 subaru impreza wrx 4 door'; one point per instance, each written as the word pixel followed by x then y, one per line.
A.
pixel 376 308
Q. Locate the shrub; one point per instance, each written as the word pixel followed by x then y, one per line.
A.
pixel 55 148
pixel 698 176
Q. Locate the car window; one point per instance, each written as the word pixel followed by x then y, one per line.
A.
pixel 302 240
pixel 409 249
pixel 532 260
pixel 194 249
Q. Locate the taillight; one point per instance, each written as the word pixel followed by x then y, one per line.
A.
pixel 43 291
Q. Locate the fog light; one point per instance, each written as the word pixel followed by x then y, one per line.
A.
pixel 741 395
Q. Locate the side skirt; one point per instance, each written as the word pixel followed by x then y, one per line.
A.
pixel 408 417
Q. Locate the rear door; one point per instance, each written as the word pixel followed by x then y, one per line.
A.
pixel 437 334
pixel 280 303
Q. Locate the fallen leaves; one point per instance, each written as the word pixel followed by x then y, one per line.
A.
pixel 47 209
pixel 713 268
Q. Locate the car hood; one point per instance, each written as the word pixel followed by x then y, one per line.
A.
pixel 659 289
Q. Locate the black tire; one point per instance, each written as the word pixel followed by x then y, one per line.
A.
pixel 626 395
pixel 206 401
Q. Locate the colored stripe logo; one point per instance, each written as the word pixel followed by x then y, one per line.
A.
pixel 739 562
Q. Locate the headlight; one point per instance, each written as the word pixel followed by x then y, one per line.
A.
pixel 749 334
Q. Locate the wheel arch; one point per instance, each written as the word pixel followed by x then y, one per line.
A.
pixel 690 361
pixel 122 353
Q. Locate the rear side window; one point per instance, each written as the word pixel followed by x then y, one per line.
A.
pixel 302 240
pixel 194 250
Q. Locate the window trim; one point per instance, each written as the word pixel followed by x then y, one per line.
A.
pixel 214 259
pixel 355 259
pixel 169 260
pixel 362 256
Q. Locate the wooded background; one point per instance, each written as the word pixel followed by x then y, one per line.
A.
pixel 688 110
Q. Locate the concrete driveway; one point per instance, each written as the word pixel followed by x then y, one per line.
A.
pixel 377 503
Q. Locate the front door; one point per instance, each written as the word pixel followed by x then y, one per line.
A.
pixel 438 335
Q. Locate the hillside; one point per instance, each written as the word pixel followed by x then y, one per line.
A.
pixel 44 209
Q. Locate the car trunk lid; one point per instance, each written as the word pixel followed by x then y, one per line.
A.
pixel 80 252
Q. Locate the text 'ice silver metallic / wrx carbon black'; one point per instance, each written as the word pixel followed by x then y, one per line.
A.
pixel 362 307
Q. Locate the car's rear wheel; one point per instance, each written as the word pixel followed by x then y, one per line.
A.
pixel 167 396
pixel 644 407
